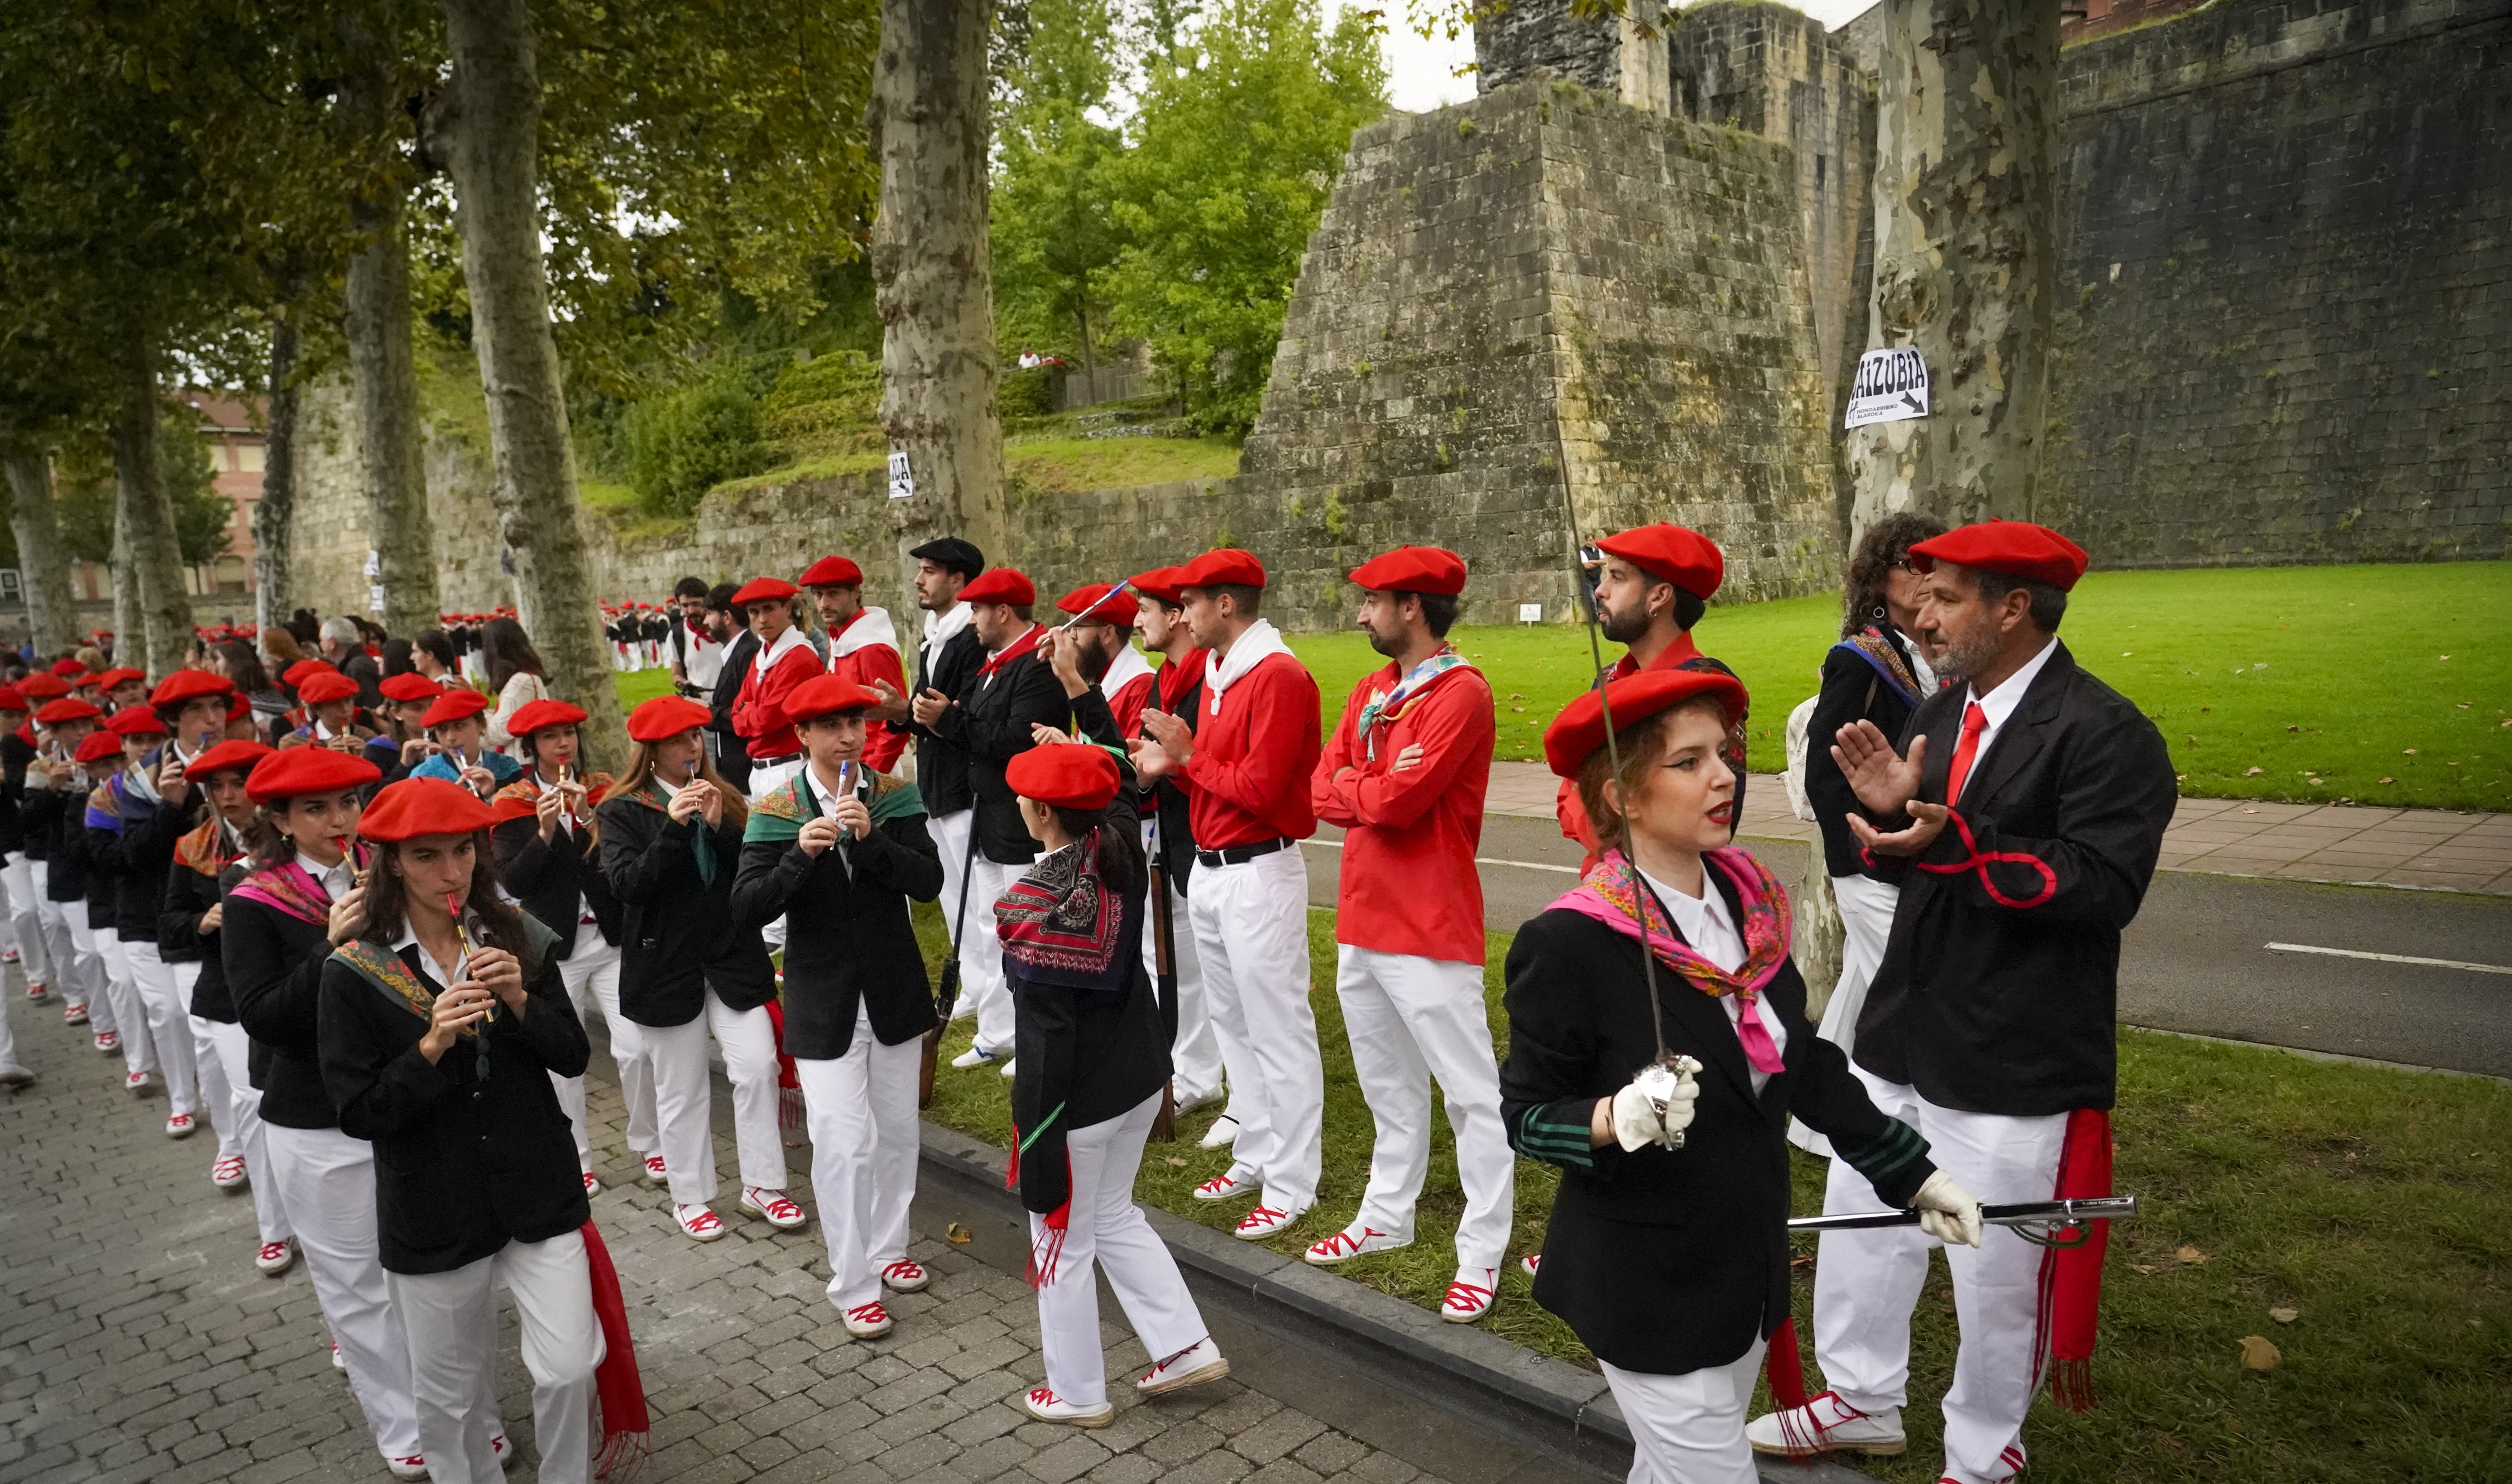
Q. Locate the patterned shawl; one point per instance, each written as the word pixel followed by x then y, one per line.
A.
pixel 779 814
pixel 1388 706
pixel 1060 924
pixel 523 797
pixel 1871 645
pixel 205 848
pixel 290 889
pixel 1611 892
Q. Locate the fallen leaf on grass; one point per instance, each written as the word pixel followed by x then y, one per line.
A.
pixel 2253 772
pixel 2389 780
pixel 958 1236
pixel 2410 753
pixel 2257 1355
pixel 2144 1268
pixel 2285 1315
pixel 2191 1255
pixel 1175 1160
pixel 2127 654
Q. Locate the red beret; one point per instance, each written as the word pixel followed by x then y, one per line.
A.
pixel 530 719
pixel 330 685
pixel 418 807
pixel 1228 565
pixel 134 721
pixel 824 694
pixel 41 687
pixel 1687 559
pixel 304 670
pixel 1159 582
pixel 66 667
pixel 410 687
pixel 1413 569
pixel 2015 548
pixel 226 755
pixel 1580 729
pixel 664 717
pixel 295 771
pixel 122 675
pixel 453 705
pixel 99 745
pixel 189 685
pixel 12 698
pixel 1069 775
pixel 1000 584
pixel 1119 610
pixel 67 709
pixel 833 572
pixel 763 590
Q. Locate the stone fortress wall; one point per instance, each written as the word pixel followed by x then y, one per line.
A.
pixel 1637 268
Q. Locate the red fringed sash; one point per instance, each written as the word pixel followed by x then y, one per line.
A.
pixel 626 1431
pixel 789 1107
pixel 1784 1368
pixel 2071 1277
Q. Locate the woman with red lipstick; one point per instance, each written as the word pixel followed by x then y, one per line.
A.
pixel 302 898
pixel 1667 1250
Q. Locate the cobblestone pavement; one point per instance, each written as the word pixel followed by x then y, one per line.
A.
pixel 137 1342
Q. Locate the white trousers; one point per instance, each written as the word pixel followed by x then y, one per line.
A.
pixel 25 881
pixel 763 779
pixel 1251 928
pixel 1195 1057
pixel 1689 1428
pixel 216 1098
pixel 861 1112
pixel 8 1037
pixel 451 1319
pixel 326 1180
pixel 591 975
pixel 1410 1020
pixel 130 1011
pixel 71 953
pixel 685 1097
pixel 1867 923
pixel 223 1051
pixel 12 891
pixel 1866 1283
pixel 1105 1228
pixel 170 1031
pixel 981 954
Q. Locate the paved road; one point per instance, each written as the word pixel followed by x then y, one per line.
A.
pixel 137 1342
pixel 2196 959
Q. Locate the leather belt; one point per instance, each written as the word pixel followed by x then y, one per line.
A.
pixel 1240 854
pixel 773 761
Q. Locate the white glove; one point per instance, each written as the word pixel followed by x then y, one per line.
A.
pixel 1946 1211
pixel 1637 1120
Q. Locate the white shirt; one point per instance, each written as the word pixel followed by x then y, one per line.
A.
pixel 444 977
pixel 940 628
pixel 701 657
pixel 827 803
pixel 336 881
pixel 2000 703
pixel 1704 922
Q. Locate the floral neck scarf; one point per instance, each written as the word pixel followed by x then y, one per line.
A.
pixel 1389 705
pixel 1060 924
pixel 1611 893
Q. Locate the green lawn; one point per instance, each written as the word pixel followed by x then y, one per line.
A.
pixel 2371 685
pixel 2363 684
pixel 2370 1203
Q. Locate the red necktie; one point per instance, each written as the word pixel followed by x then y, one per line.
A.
pixel 1975 722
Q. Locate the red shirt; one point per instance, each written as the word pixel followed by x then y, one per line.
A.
pixel 759 709
pixel 1573 814
pixel 863 665
pixel 1128 704
pixel 1253 755
pixel 1409 883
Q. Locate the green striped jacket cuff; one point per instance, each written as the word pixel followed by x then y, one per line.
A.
pixel 1553 1140
pixel 1895 1160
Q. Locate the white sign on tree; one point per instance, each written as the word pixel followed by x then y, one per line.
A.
pixel 1892 386
pixel 902 480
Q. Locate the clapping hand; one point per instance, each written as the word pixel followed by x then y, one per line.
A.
pixel 1883 780
pixel 1927 822
pixel 928 707
pixel 1047 736
pixel 1174 736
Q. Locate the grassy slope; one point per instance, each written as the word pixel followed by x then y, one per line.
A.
pixel 2308 684
pixel 2371 1202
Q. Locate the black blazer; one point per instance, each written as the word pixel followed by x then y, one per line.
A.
pixel 552 878
pixel 1853 690
pixel 1667 1261
pixel 103 851
pixel 731 754
pixel 941 763
pixel 992 725
pixel 850 942
pixel 1177 830
pixel 274 964
pixel 189 897
pixel 678 936
pixel 2008 1008
pixel 15 755
pixel 56 823
pixel 463 1165
pixel 143 851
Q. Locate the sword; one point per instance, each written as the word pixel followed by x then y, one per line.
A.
pixel 2065 1218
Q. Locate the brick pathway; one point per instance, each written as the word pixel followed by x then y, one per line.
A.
pixel 2442 848
pixel 137 1342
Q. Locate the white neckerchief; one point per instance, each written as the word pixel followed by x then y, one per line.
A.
pixel 870 626
pixel 769 655
pixel 2000 704
pixel 940 628
pixel 1127 667
pixel 1704 922
pixel 1220 672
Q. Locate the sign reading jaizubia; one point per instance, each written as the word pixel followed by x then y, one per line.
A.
pixel 1892 385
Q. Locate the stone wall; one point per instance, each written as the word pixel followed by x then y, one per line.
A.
pixel 329 532
pixel 2287 224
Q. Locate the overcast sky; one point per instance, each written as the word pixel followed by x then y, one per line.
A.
pixel 1422 74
